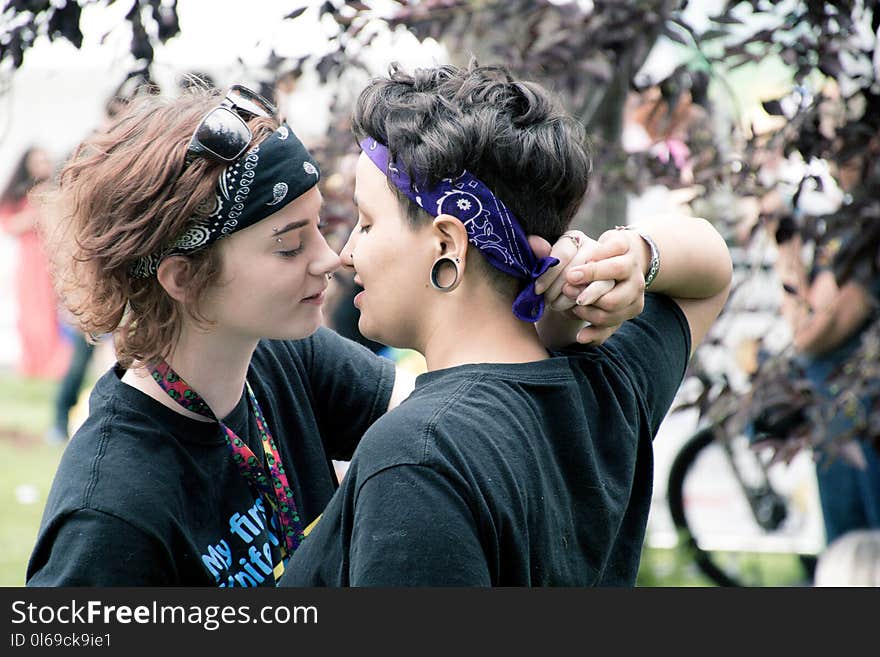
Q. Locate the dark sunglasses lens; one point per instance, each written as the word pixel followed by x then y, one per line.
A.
pixel 224 134
pixel 250 101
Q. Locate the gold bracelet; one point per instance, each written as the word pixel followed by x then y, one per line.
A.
pixel 654 266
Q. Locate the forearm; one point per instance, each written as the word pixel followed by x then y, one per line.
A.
pixel 694 259
pixel 817 334
pixel 795 311
pixel 837 314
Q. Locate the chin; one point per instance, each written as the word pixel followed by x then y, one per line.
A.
pixel 376 334
pixel 371 331
pixel 367 330
pixel 302 327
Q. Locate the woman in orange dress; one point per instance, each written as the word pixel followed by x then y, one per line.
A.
pixel 44 350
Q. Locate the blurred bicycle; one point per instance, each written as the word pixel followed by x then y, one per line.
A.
pixel 747 516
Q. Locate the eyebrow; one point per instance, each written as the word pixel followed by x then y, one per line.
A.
pixel 365 210
pixel 293 225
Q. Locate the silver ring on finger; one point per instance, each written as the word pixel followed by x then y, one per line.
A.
pixel 574 237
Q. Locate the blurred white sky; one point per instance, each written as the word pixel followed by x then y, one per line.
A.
pixel 58 94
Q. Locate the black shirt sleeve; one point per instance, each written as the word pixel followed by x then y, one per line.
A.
pixel 653 350
pixel 351 388
pixel 84 551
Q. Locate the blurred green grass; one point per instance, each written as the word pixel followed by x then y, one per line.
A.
pixel 26 471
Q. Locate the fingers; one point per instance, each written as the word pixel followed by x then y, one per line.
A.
pixel 603 303
pixel 540 246
pixel 615 268
pixel 573 248
pixel 571 295
pixel 613 243
pixel 562 303
pixel 624 295
pixel 564 250
pixel 600 318
pixel 594 291
pixel 593 335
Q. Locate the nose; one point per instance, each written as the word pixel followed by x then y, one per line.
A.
pixel 325 262
pixel 346 256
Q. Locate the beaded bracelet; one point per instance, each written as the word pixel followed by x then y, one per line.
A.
pixel 654 267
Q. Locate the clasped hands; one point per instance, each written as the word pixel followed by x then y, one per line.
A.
pixel 598 284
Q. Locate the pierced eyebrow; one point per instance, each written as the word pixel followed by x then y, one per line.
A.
pixel 293 225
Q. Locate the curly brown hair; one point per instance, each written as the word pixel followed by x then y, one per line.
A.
pixel 123 195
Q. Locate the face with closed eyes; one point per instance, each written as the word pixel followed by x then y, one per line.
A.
pixel 274 275
pixel 391 260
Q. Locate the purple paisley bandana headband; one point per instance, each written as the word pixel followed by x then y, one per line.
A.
pixel 259 183
pixel 490 226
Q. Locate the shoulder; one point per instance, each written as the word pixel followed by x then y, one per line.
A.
pixel 409 434
pixel 399 435
pixel 278 355
pixel 117 449
pixel 438 422
pixel 304 348
pixel 119 461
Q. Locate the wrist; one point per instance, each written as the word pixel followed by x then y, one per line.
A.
pixel 645 250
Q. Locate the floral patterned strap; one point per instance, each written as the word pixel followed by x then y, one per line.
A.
pixel 288 514
pixel 179 390
pixel 273 486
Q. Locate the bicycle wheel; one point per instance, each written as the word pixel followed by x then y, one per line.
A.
pixel 733 540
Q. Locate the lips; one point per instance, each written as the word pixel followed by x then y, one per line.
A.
pixel 317 297
pixel 359 296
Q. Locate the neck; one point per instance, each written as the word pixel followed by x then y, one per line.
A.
pixel 459 335
pixel 213 365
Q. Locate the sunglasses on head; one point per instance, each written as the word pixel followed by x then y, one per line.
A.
pixel 222 134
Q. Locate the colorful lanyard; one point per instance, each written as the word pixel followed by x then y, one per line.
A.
pixel 274 486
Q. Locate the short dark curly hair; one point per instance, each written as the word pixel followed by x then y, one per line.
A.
pixel 511 134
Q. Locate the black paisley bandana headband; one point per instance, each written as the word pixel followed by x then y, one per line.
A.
pixel 262 181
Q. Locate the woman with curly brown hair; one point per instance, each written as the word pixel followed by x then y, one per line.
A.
pixel 150 490
pixel 190 230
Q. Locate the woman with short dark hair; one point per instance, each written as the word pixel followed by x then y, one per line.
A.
pixel 508 465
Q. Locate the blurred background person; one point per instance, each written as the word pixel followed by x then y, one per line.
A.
pixel 827 322
pixel 44 352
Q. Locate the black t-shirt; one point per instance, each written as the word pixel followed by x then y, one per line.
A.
pixel 533 474
pixel 146 496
